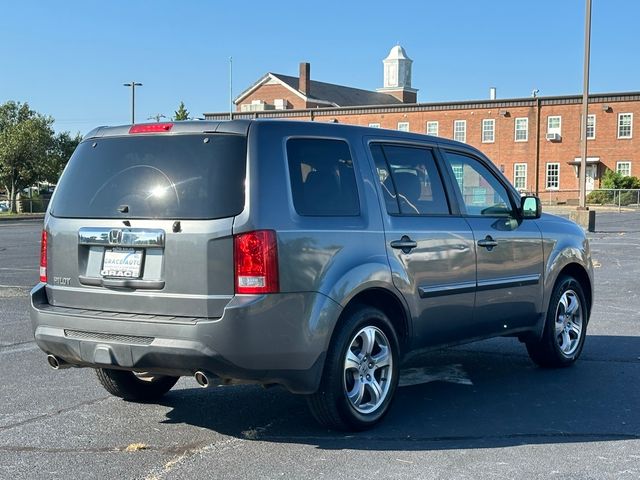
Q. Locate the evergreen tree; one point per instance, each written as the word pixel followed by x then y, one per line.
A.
pixel 182 113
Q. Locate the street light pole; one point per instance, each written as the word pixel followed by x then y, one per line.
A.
pixel 585 108
pixel 133 86
pixel 230 88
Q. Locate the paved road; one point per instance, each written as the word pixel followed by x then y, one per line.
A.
pixel 489 414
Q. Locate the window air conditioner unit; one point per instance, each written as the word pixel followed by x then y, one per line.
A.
pixel 553 137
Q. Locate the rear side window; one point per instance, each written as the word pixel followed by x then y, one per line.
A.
pixel 410 180
pixel 322 178
pixel 155 176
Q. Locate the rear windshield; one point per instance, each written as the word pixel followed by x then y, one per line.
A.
pixel 158 176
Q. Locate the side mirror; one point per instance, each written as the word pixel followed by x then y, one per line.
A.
pixel 530 207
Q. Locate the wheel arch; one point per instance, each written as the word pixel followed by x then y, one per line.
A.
pixel 390 304
pixel 578 272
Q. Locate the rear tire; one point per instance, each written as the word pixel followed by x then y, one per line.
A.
pixel 565 327
pixel 135 387
pixel 361 373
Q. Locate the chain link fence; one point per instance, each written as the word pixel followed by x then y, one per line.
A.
pixel 601 197
pixel 24 204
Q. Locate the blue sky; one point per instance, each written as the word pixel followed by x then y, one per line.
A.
pixel 68 59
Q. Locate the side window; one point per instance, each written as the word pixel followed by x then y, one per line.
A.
pixel 478 188
pixel 410 180
pixel 322 178
pixel 384 176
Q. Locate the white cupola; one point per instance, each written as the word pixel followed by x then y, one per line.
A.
pixel 397 69
pixel 397 76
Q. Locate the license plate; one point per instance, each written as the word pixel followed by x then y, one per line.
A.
pixel 122 263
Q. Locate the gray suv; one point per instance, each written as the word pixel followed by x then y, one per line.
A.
pixel 314 256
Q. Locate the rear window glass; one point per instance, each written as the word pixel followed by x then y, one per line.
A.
pixel 159 176
pixel 322 178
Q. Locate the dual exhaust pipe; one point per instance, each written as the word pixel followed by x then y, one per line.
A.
pixel 58 364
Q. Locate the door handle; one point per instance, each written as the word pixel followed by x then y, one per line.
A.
pixel 488 243
pixel 405 244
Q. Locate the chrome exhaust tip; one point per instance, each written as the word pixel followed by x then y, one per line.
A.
pixel 202 379
pixel 56 363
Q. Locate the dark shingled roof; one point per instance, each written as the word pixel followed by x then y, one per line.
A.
pixel 340 95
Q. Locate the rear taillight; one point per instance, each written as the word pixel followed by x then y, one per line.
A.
pixel 256 262
pixel 43 257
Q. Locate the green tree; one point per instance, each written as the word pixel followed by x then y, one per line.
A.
pixel 182 113
pixel 26 140
pixel 612 179
pixel 616 181
pixel 62 147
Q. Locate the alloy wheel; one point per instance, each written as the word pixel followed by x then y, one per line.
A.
pixel 368 370
pixel 569 323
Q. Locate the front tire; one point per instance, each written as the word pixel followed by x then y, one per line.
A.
pixel 361 373
pixel 135 387
pixel 565 327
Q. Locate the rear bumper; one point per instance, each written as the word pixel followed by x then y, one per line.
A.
pixel 280 338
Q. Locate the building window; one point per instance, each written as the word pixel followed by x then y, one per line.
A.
pixel 488 130
pixel 624 168
pixel 281 103
pixel 256 106
pixel 458 172
pixel 591 127
pixel 403 126
pixel 522 129
pixel 553 176
pixel 625 125
pixel 460 130
pixel 432 128
pixel 554 124
pixel 374 125
pixel 520 176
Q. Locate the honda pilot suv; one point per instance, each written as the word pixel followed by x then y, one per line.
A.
pixel 314 256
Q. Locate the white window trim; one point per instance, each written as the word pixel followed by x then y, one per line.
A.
pixel 374 125
pixel 623 162
pixel 631 126
pixel 546 176
pixel 557 129
pixel 493 130
pixel 464 123
pixel 515 167
pixel 515 130
pixel 433 122
pixel 403 123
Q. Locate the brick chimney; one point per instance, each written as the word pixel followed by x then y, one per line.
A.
pixel 304 84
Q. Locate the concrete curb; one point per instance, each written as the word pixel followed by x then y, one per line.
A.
pixel 18 217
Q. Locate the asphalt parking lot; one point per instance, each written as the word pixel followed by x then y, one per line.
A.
pixel 476 411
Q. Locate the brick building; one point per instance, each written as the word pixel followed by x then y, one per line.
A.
pixel 535 141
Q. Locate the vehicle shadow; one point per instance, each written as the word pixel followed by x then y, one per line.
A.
pixel 509 402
